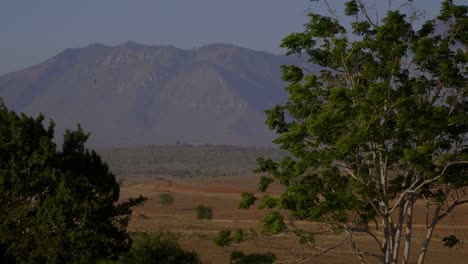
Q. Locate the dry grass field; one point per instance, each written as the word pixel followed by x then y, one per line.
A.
pixel 222 194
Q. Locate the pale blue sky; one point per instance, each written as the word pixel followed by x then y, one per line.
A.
pixel 32 31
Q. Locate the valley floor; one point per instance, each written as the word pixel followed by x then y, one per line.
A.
pixel 222 194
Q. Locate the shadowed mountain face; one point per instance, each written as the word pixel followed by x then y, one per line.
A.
pixel 136 94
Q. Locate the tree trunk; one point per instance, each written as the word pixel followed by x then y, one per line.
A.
pixel 391 240
pixel 423 252
pixel 409 228
pixel 397 239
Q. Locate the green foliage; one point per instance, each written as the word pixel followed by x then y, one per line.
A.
pixel 238 257
pixel 273 223
pixel 166 199
pixel 223 239
pixel 351 8
pixel 268 202
pixel 204 212
pixel 238 236
pixel 252 233
pixel 56 206
pixel 305 237
pixel 4 257
pixel 264 183
pixel 226 238
pixel 158 248
pixel 381 125
pixel 247 199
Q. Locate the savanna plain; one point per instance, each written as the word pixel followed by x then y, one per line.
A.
pixel 222 194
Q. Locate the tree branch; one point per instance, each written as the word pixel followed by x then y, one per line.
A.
pixel 417 188
pixel 450 209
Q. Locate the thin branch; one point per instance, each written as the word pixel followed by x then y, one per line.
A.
pixel 347 168
pixel 325 250
pixel 364 11
pixel 322 250
pixel 370 233
pixel 417 188
pixel 450 209
pixel 403 195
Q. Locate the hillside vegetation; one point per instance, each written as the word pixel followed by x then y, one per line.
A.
pixel 186 160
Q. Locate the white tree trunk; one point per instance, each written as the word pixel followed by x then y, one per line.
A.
pixel 427 239
pixel 409 228
pixel 397 239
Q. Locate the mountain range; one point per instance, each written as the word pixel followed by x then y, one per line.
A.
pixel 134 94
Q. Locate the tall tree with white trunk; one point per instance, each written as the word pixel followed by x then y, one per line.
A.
pixel 382 126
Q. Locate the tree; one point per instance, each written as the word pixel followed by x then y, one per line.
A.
pixel 160 248
pixel 56 206
pixel 238 257
pixel 383 124
pixel 166 199
pixel 204 212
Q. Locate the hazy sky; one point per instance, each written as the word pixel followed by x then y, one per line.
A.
pixel 32 31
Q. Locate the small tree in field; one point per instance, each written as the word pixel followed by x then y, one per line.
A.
pixel 382 125
pixel 238 257
pixel 204 212
pixel 158 247
pixel 166 199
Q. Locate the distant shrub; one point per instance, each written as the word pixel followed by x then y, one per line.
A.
pixel 450 241
pixel 166 199
pixel 204 212
pixel 160 248
pixel 238 257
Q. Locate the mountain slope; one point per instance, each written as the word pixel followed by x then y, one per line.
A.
pixel 136 94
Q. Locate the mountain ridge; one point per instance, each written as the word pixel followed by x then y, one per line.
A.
pixel 134 94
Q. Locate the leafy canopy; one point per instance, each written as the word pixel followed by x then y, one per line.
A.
pixel 56 206
pixel 383 123
pixel 157 247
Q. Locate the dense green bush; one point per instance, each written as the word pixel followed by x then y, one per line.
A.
pixel 56 205
pixel 157 248
pixel 160 248
pixel 204 212
pixel 238 257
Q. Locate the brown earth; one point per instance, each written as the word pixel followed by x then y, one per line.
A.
pixel 223 195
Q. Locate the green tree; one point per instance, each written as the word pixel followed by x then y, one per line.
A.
pixel 204 212
pixel 56 206
pixel 381 125
pixel 238 257
pixel 158 248
pixel 166 199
